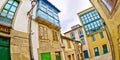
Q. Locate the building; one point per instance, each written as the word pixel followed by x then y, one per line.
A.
pixel 109 11
pixel 96 35
pixel 46 36
pixel 77 33
pixel 71 50
pixel 14 34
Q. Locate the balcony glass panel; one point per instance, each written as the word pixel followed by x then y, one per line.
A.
pixel 48 17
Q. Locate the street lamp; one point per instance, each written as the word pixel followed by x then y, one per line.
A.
pixel 29 14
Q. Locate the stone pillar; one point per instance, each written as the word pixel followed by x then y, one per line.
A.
pixel 19 46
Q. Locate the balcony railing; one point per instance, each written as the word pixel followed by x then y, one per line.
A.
pixel 5 21
pixel 49 18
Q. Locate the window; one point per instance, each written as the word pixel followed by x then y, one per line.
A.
pixel 43 8
pixel 55 16
pixel 105 50
pixel 101 35
pixel 10 9
pixel 55 37
pixel 73 56
pixel 96 51
pixel 82 41
pixel 58 57
pixel 80 33
pixel 110 4
pixel 93 38
pixel 72 35
pixel 113 1
pixel 43 32
pixel 69 57
pixel 86 54
pixel 68 44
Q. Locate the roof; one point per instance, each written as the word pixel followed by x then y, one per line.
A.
pixel 46 1
pixel 70 39
pixel 67 38
pixel 86 10
pixel 72 29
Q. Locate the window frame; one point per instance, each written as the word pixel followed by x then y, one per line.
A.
pixel 104 52
pixel 98 53
pixel 55 35
pixel 9 10
pixel 72 35
pixel 113 4
pixel 44 34
pixel 85 54
pixel 101 35
pixel 93 39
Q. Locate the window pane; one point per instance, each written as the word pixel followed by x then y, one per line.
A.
pixel 13 9
pixel 43 8
pixel 101 35
pixel 86 54
pixel 4 13
pixel 7 6
pixel 96 51
pixel 15 3
pixel 10 1
pixel 105 50
pixel 10 15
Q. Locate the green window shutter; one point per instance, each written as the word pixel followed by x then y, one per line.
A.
pixel 45 56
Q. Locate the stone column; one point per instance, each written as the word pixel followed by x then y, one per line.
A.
pixel 19 45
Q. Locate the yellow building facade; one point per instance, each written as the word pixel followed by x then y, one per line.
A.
pixel 96 35
pixel 111 20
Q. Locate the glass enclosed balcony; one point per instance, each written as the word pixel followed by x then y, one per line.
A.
pixel 47 17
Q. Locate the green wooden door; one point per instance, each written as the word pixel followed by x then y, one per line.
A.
pixel 45 56
pixel 4 49
pixel 58 56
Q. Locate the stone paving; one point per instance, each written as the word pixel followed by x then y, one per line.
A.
pixel 103 57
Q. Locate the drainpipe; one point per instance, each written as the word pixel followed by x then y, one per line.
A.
pixel 29 14
pixel 63 47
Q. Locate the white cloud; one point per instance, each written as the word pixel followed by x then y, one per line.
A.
pixel 69 9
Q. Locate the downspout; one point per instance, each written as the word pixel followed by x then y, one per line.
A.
pixel 29 14
pixel 63 47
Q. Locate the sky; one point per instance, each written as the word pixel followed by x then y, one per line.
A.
pixel 69 9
